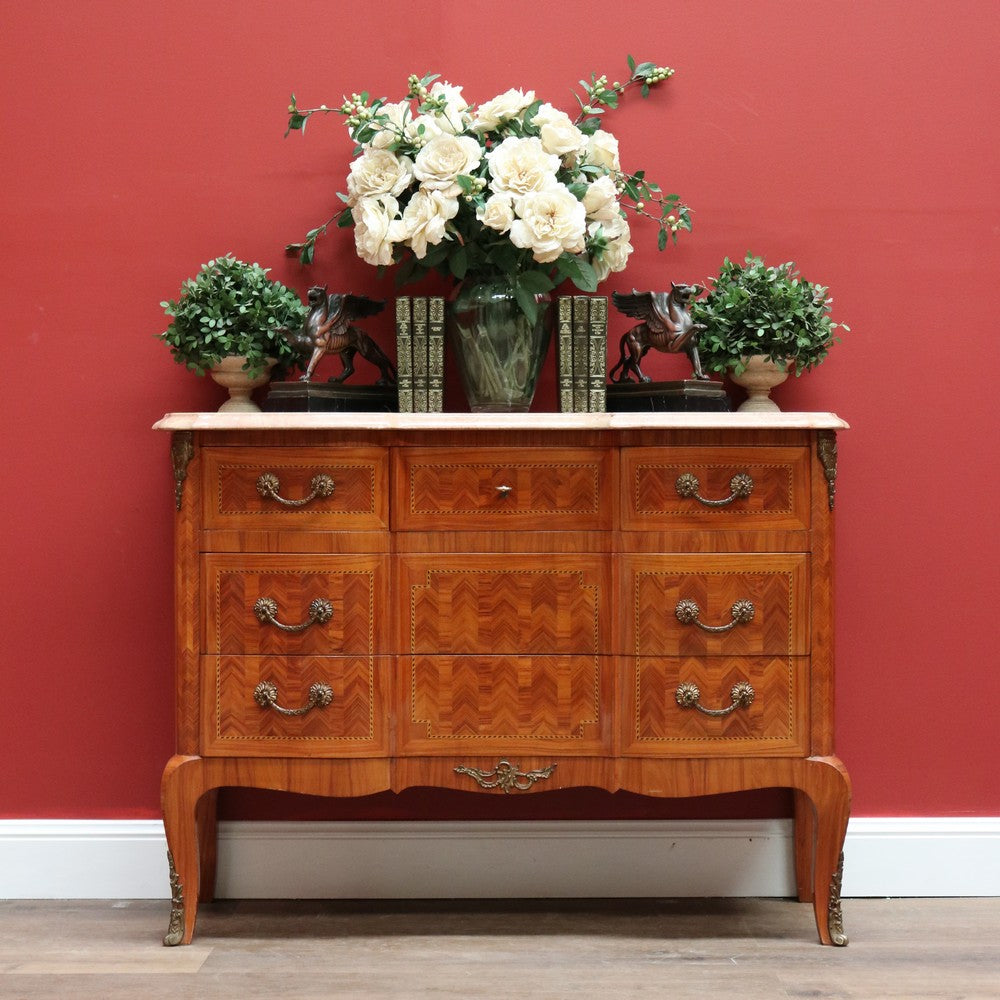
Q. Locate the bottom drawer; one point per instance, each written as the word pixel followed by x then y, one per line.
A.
pixel 716 706
pixel 294 706
pixel 504 704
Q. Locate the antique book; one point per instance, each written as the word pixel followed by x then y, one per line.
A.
pixel 420 354
pixel 581 352
pixel 435 354
pixel 404 353
pixel 564 350
pixel 598 367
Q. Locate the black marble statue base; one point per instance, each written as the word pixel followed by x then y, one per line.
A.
pixel 329 397
pixel 686 395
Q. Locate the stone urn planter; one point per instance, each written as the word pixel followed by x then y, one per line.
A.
pixel 230 374
pixel 759 377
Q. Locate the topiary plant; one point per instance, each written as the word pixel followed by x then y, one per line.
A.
pixel 232 309
pixel 756 309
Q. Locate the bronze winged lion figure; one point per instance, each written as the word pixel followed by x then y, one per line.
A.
pixel 328 328
pixel 666 325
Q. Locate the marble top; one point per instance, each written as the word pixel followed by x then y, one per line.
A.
pixel 498 421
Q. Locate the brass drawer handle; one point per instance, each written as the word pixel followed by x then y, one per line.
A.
pixel 740 487
pixel 266 695
pixel 507 776
pixel 266 610
pixel 741 693
pixel 321 486
pixel 504 491
pixel 687 613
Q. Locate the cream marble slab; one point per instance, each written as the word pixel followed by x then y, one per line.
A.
pixel 498 421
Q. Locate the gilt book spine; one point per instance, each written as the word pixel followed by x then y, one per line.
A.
pixel 420 353
pixel 404 353
pixel 597 395
pixel 435 354
pixel 581 351
pixel 564 346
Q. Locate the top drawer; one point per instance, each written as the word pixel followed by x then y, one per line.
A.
pixel 532 489
pixel 723 488
pixel 303 488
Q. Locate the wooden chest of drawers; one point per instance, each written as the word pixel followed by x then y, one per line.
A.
pixel 504 604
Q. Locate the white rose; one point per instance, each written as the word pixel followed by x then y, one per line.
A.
pixel 376 228
pixel 551 222
pixel 602 150
pixel 501 108
pixel 497 213
pixel 558 133
pixel 390 131
pixel 455 116
pixel 617 250
pixel 518 166
pixel 420 130
pixel 601 200
pixel 425 219
pixel 443 159
pixel 377 171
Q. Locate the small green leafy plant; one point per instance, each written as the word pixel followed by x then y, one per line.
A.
pixel 232 308
pixel 756 309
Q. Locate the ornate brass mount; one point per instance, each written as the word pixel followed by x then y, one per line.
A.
pixel 826 447
pixel 741 693
pixel 688 612
pixel 506 776
pixel 266 695
pixel 175 928
pixel 181 453
pixel 320 486
pixel 835 913
pixel 740 487
pixel 266 610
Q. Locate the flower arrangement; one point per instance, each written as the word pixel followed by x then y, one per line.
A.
pixel 512 189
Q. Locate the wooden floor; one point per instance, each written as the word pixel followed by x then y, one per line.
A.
pixel 741 949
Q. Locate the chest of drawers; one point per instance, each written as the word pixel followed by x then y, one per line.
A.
pixel 504 604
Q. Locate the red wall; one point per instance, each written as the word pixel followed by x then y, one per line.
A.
pixel 141 140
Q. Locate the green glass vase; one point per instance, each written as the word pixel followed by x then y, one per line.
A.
pixel 498 350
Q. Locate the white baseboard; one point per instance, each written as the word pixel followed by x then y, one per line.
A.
pixel 126 859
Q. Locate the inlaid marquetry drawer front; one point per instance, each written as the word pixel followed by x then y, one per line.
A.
pixel 295 605
pixel 696 707
pixel 296 488
pixel 502 488
pixel 487 604
pixel 477 704
pixel 708 605
pixel 715 488
pixel 294 706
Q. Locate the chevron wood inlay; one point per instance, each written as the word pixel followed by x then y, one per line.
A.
pixel 237 723
pixel 469 699
pixel 238 582
pixel 775 720
pixel 496 609
pixel 779 497
pixel 776 586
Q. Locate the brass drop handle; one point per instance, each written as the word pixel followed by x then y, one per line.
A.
pixel 320 486
pixel 266 695
pixel 688 613
pixel 741 693
pixel 740 487
pixel 266 610
pixel 504 491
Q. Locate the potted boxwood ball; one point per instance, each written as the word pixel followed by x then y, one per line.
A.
pixel 760 322
pixel 228 320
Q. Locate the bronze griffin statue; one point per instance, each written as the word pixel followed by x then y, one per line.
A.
pixel 328 328
pixel 666 325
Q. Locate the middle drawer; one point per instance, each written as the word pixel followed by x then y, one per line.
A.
pixel 529 489
pixel 263 604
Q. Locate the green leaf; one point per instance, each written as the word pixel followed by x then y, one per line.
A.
pixel 458 263
pixel 527 302
pixel 631 63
